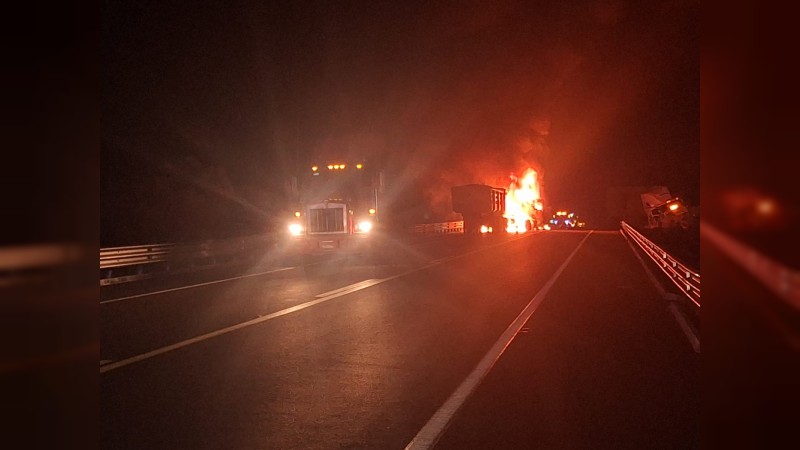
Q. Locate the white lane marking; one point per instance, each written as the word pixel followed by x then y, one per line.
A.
pixel 694 341
pixel 363 285
pixel 194 285
pixel 433 430
pixel 354 287
pixel 203 337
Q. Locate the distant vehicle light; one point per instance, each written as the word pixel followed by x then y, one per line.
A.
pixel 372 211
pixel 365 226
pixel 546 226
pixel 674 207
pixel 295 229
pixel 484 229
pixel 314 168
pixel 297 213
pixel 359 166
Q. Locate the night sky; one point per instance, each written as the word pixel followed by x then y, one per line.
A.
pixel 208 109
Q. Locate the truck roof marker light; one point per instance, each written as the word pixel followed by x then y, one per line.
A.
pixel 314 168
pixel 330 166
pixel 359 166
pixel 341 166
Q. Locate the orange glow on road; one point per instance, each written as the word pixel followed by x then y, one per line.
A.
pixel 522 199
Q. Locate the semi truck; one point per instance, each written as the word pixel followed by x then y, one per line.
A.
pixel 481 206
pixel 337 207
pixel 647 207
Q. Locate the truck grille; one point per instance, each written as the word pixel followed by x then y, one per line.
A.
pixel 330 220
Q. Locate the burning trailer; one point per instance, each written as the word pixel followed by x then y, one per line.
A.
pixel 482 207
pixel 488 209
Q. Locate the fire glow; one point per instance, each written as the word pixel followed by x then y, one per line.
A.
pixel 522 199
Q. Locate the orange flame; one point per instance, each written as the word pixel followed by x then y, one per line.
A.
pixel 523 200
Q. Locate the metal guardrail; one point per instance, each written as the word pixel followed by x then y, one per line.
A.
pixel 127 256
pixel 439 228
pixel 123 264
pixel 684 277
pixel 131 263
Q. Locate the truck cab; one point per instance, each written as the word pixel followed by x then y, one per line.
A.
pixel 337 208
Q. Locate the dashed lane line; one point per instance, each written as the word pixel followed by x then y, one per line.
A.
pixel 341 292
pixel 191 286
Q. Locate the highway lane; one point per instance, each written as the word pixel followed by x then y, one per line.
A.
pixel 366 369
pixel 134 324
pixel 602 364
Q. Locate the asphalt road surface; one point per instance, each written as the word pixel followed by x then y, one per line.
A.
pixel 547 340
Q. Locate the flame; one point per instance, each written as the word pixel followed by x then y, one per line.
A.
pixel 522 200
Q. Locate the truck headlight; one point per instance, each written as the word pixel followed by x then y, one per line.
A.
pixel 365 226
pixel 295 229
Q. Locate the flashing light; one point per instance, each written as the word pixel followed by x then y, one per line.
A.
pixel 314 168
pixel 365 226
pixel 371 211
pixel 297 213
pixel 295 229
pixel 359 166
